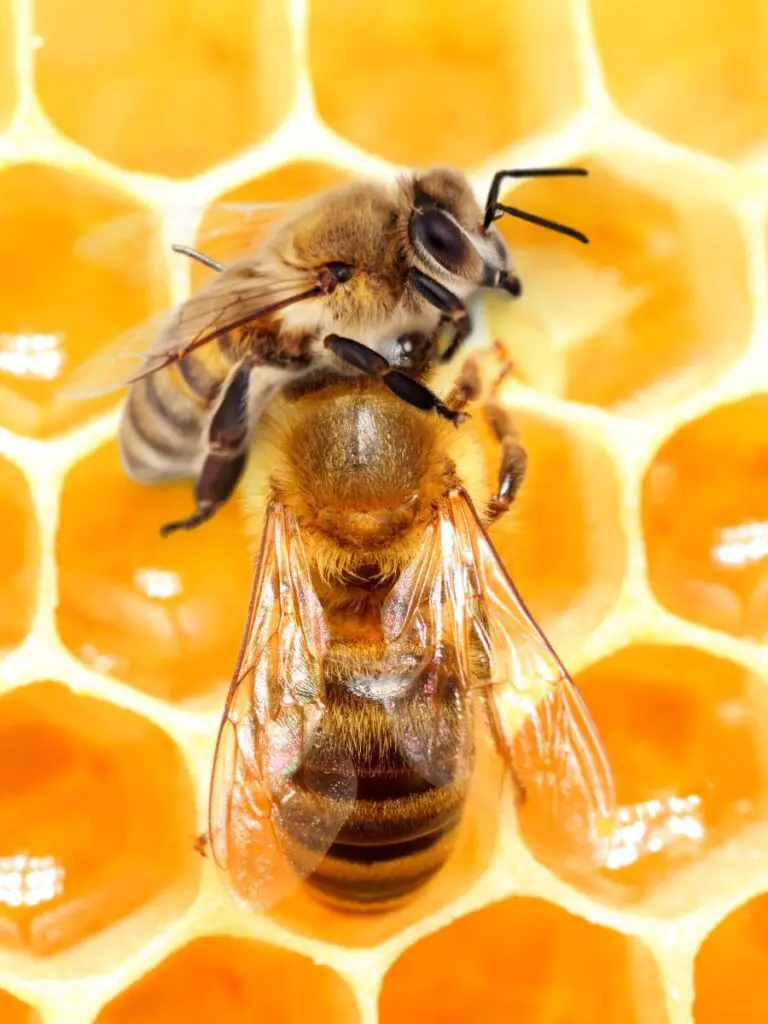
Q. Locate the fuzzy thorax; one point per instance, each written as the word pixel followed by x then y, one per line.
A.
pixel 362 471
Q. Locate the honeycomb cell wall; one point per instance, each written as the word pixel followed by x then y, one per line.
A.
pixel 640 541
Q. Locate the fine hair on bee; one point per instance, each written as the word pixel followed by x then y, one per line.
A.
pixel 384 643
pixel 371 278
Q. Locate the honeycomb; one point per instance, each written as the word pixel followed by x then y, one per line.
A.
pixel 640 540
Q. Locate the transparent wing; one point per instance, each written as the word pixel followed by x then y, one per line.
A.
pixel 227 232
pixel 271 816
pixel 237 296
pixel 429 709
pixel 457 595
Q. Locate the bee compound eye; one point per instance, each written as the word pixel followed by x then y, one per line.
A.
pixel 439 235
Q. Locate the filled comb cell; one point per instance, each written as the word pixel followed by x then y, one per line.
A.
pixel 526 961
pixel 176 90
pixel 696 72
pixel 96 820
pixel 7 65
pixel 655 306
pixel 66 291
pixel 163 614
pixel 229 230
pixel 712 566
pixel 18 557
pixel 237 981
pixel 681 730
pixel 13 1011
pixel 729 976
pixel 449 83
pixel 562 541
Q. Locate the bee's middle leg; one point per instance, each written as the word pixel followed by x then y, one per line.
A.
pixel 469 388
pixel 226 455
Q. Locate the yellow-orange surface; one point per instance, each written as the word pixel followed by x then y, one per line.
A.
pixel 640 541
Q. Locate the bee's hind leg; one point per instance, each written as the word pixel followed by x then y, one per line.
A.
pixel 225 461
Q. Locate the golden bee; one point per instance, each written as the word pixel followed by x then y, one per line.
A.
pixel 383 630
pixel 364 278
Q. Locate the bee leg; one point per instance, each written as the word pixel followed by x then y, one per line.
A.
pixel 468 388
pixel 370 362
pixel 451 305
pixel 225 461
pixel 435 293
pixel 462 328
pixel 414 352
pixel 514 458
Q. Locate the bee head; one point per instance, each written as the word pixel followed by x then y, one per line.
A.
pixel 449 239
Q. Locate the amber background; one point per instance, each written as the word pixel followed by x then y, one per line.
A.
pixel 641 540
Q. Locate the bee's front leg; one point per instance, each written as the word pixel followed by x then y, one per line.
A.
pixel 410 390
pixel 453 309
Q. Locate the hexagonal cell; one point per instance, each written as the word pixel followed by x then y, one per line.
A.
pixel 695 73
pixel 528 961
pixel 643 314
pixel 676 722
pixel 61 303
pixel 18 557
pixel 230 82
pixel 729 974
pixel 13 1011
pixel 96 819
pixel 447 83
pixel 7 66
pixel 292 182
pixel 164 614
pixel 562 542
pixel 712 567
pixel 236 981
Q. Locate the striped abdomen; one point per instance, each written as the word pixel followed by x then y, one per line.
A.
pixel 162 428
pixel 403 825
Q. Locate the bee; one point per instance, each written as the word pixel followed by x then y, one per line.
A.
pixel 384 635
pixel 365 279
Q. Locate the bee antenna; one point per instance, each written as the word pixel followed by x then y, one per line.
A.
pixel 542 222
pixel 207 261
pixel 494 209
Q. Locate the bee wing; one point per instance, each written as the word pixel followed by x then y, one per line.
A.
pixel 271 817
pixel 237 296
pixel 228 232
pixel 457 599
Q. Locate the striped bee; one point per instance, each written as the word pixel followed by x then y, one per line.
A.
pixel 365 278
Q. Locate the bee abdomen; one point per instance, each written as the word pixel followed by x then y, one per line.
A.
pixel 399 833
pixel 162 428
pixel 366 877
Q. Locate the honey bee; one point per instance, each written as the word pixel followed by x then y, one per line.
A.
pixel 381 624
pixel 366 278
pixel 383 633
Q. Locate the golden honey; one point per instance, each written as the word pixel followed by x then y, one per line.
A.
pixel 640 539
